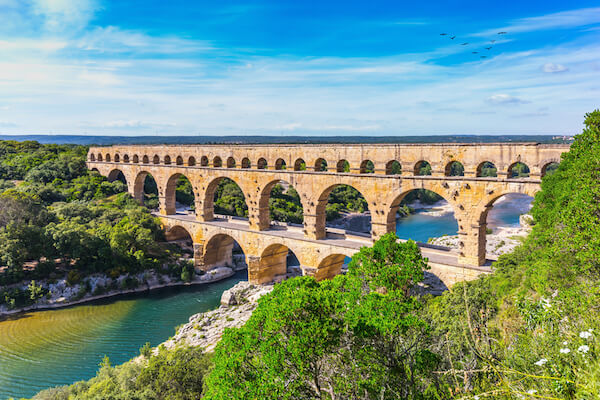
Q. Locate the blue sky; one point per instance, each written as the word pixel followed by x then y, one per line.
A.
pixel 135 67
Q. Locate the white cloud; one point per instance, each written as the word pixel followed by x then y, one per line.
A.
pixel 99 78
pixel 61 15
pixel 505 99
pixel 559 20
pixel 554 68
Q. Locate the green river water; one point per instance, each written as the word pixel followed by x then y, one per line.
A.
pixel 43 349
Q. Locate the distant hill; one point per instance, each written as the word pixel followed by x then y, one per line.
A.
pixel 108 140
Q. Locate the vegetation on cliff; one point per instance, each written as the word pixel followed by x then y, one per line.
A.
pixel 57 219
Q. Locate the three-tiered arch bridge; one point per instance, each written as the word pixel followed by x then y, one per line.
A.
pixel 314 171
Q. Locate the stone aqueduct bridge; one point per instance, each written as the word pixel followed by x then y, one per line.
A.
pixel 257 168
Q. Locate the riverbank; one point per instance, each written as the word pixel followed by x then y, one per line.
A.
pixel 63 295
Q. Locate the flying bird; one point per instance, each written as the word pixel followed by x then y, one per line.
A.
pixel 488 48
pixel 474 52
pixel 443 34
pixel 452 37
pixel 502 33
pixel 464 44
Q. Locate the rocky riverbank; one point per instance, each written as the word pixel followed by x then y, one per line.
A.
pixel 95 287
pixel 502 240
pixel 205 329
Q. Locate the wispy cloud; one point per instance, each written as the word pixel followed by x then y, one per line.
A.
pixel 552 68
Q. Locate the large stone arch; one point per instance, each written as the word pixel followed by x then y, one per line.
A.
pixel 138 186
pixel 178 232
pixel 481 165
pixel 264 217
pixel 328 267
pixel 317 219
pixel 393 202
pixel 113 175
pixel 206 201
pixel 272 263
pixel 217 250
pixel 170 187
pixel 544 164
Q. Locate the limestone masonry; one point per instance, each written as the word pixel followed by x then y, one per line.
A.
pixel 257 168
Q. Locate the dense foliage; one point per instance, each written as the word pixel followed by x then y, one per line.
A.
pixel 58 219
pixel 174 374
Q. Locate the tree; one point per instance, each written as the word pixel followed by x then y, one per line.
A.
pixel 356 336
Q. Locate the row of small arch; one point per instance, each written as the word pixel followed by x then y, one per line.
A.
pixel 366 166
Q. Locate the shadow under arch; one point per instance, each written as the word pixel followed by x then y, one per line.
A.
pixel 486 169
pixel 178 233
pixel 343 166
pixel 116 175
pixel 222 250
pixel 549 167
pixel 224 196
pixel 330 266
pixel 518 170
pixel 279 201
pixel 421 214
pixel 275 264
pixel 454 168
pixel 178 189
pixel 342 200
pixel 299 165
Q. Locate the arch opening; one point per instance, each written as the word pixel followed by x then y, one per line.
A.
pixel 116 175
pixel 167 160
pixel 99 157
pixel 299 165
pixel 145 190
pixel 550 168
pixel 280 164
pixel 424 216
pixel 393 168
pixel 217 162
pixel 422 168
pixel 191 161
pixel 330 266
pixel 487 169
pixel 135 159
pixel 179 160
pixel 230 162
pixel 344 207
pixel 204 161
pixel 156 159
pixel 506 221
pixel 321 165
pixel 518 170
pixel 107 158
pixel 225 197
pixel 367 167
pixel 261 164
pixel 277 262
pixel 92 157
pixel 222 250
pixel 282 202
pixel 145 160
pixel 245 162
pixel 117 158
pixel 179 195
pixel 126 158
pixel 343 166
pixel 455 168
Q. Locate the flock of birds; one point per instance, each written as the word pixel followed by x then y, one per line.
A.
pixel 452 37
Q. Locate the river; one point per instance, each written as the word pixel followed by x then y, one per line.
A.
pixel 48 348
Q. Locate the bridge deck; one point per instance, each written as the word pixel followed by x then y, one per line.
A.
pixel 335 237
